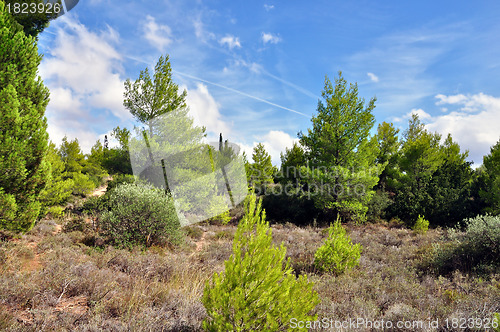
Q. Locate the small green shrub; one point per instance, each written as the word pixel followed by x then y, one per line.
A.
pixel 257 291
pixel 56 211
pixel 473 250
pixel 421 225
pixel 140 215
pixel 337 254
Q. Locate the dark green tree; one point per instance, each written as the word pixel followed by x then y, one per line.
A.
pixel 117 159
pixel 341 164
pixel 490 176
pixel 421 156
pixel 23 127
pixel 291 161
pixel 450 188
pixel 386 147
pixel 148 98
pixel 343 122
pixel 34 22
pixel 388 150
pixel 262 167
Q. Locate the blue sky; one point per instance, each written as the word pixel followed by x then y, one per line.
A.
pixel 254 70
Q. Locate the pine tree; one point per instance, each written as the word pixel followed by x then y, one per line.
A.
pixel 58 189
pixel 343 122
pixel 147 99
pixel 388 149
pixel 420 157
pixel 34 22
pixel 262 167
pixel 341 172
pixel 258 290
pixel 23 134
pixel 490 192
pixel 291 162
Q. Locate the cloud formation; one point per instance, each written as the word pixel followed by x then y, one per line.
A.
pixel 83 72
pixel 473 124
pixel 268 7
pixel 230 41
pixel 275 142
pixel 159 35
pixel 270 38
pixel 205 111
pixel 373 77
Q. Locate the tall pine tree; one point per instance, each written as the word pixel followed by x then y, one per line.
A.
pixel 341 170
pixel 23 134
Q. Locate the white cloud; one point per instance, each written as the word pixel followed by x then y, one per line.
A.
pixel 450 99
pixel 270 38
pixel 423 115
pixel 276 142
pixel 205 110
pixel 268 7
pixel 159 35
pixel 474 125
pixel 373 77
pixel 230 41
pixel 83 72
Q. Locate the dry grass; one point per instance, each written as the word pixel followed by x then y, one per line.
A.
pixel 53 281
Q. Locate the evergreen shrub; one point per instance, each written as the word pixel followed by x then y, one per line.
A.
pixel 337 254
pixel 139 214
pixel 258 290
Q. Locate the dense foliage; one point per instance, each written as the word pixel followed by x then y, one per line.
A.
pixel 140 215
pixel 475 249
pixel 23 137
pixel 34 22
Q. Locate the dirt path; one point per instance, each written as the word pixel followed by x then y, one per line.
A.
pixel 201 242
pixel 102 189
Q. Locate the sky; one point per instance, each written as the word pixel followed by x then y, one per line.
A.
pixel 254 70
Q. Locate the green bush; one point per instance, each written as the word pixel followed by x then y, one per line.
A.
pixel 56 211
pixel 96 204
pixel 377 206
pixel 475 249
pixel 421 225
pixel 258 290
pixel 83 185
pixel 338 254
pixel 140 215
pixel 119 179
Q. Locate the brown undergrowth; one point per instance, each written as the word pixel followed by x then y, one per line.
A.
pixel 57 281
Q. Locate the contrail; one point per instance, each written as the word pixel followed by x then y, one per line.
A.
pixel 234 90
pixel 241 93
